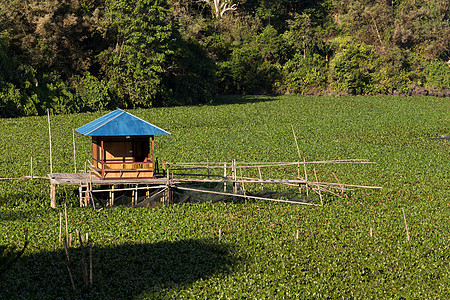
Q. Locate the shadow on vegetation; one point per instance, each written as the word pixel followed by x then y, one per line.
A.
pixel 241 99
pixel 121 272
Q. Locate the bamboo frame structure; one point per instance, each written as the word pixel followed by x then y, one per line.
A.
pixel 178 174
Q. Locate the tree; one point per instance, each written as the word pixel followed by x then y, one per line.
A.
pixel 220 7
pixel 141 43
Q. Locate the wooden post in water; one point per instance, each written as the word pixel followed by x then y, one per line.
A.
pixel 111 202
pixel 50 141
pixel 136 195
pixel 60 226
pixel 225 177
pixel 53 195
pixel 74 153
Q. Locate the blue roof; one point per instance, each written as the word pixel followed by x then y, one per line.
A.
pixel 120 123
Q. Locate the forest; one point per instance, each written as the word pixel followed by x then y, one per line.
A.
pixel 86 55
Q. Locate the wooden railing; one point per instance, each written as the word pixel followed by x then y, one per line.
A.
pixel 120 166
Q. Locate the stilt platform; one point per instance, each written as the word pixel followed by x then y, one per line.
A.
pixel 85 181
pixel 82 178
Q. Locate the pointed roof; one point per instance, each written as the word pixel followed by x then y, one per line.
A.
pixel 120 123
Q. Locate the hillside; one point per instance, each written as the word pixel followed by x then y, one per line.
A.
pixel 79 55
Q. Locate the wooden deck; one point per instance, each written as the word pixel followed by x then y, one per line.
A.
pixel 83 178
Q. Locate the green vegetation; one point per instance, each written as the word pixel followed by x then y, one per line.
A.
pixel 79 55
pixel 175 252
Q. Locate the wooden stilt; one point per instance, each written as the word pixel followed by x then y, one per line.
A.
pixel 113 194
pixel 135 199
pixel 225 176
pixel 74 153
pixel 60 226
pixel 234 177
pixel 53 195
pixel 67 223
pixel 50 141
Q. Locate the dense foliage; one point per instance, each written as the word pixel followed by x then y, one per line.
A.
pixel 175 252
pixel 80 55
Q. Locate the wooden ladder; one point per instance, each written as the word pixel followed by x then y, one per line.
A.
pixel 83 191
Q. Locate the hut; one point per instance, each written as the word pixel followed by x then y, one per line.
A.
pixel 123 145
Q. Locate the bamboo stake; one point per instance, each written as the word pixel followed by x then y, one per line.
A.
pixel 60 226
pixel 337 179
pixel 296 236
pixel 50 141
pixel 113 194
pixel 371 234
pixel 31 164
pixel 296 143
pixel 306 178
pixel 320 193
pixel 243 186
pixel 225 176
pixel 83 260
pixel 67 224
pixel 74 153
pixel 68 264
pixel 406 225
pixel 90 265
pixel 220 234
pixel 260 177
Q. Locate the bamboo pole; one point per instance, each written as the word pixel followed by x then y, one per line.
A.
pixel 50 141
pixel 243 186
pixel 239 195
pixel 67 223
pixel 260 177
pixel 306 178
pixel 31 165
pixel 83 260
pixel 220 234
pixel 406 225
pixel 66 250
pixel 320 193
pixel 90 265
pixel 273 164
pixel 74 153
pixel 279 181
pixel 337 179
pixel 225 176
pixel 60 226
